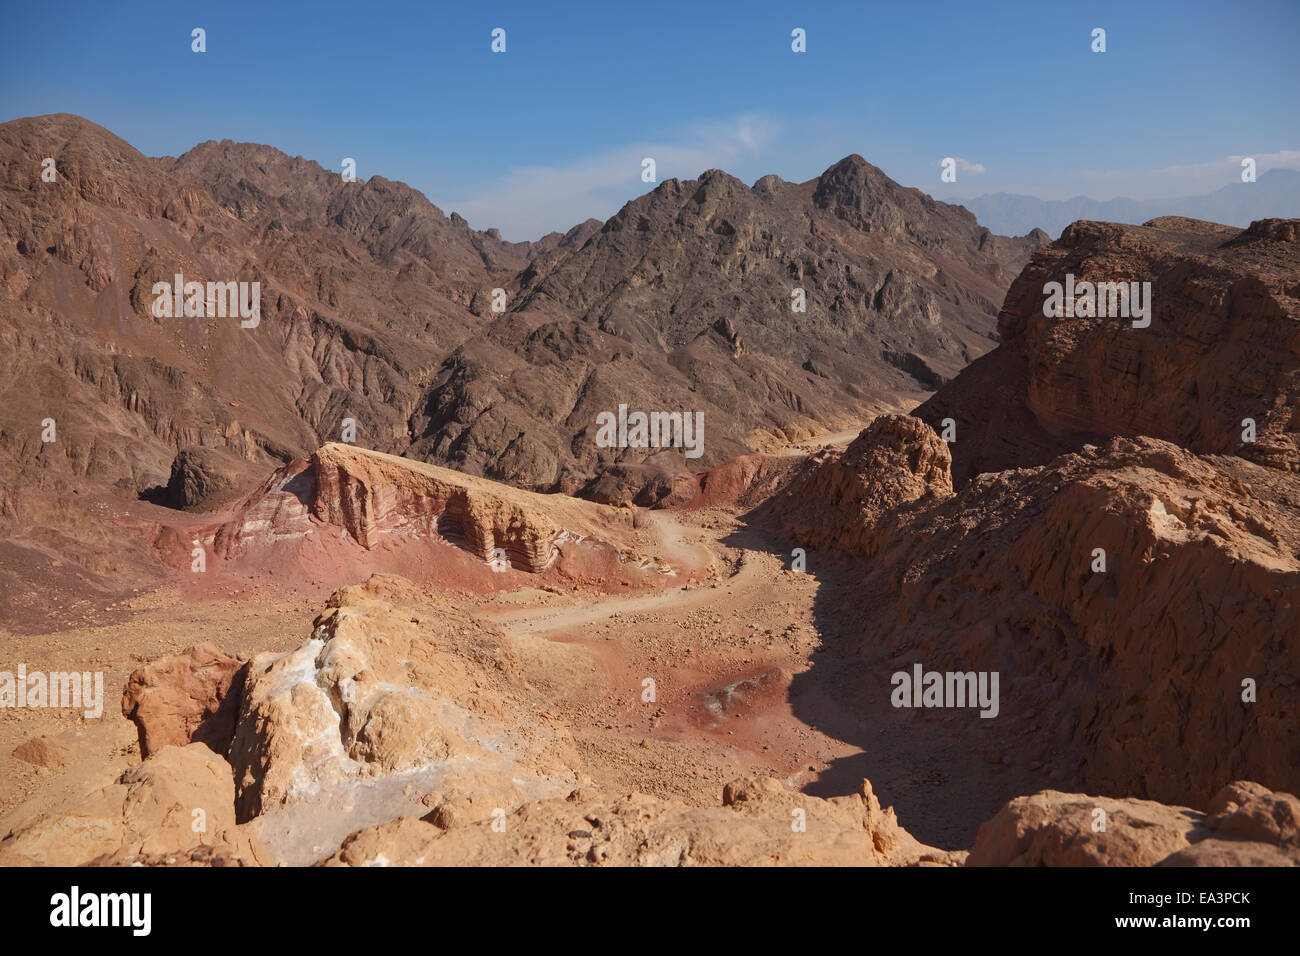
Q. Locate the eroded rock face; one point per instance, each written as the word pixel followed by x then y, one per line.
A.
pixel 1223 345
pixel 1134 674
pixel 191 697
pixel 389 683
pixel 754 826
pixel 837 499
pixel 1246 825
pixel 370 497
pixel 370 494
pixel 152 813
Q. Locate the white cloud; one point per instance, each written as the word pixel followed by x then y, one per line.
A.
pixel 530 201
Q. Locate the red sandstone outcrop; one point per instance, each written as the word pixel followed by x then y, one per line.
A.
pixel 191 697
pixel 370 497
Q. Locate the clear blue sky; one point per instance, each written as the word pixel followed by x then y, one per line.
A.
pixel 553 130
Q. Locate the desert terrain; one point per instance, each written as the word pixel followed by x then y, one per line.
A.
pixel 364 587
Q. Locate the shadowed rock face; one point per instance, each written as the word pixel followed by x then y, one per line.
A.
pixel 1223 346
pixel 201 478
pixel 1135 595
pixel 192 697
pixel 1134 675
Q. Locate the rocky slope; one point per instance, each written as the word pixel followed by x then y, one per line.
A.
pixel 1137 598
pixel 1223 346
pixel 1130 676
pixel 179 803
pixel 760 823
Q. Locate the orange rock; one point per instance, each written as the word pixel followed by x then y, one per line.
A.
pixel 189 697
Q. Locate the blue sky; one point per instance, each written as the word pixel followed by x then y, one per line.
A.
pixel 554 130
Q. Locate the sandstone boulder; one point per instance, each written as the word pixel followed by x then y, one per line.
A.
pixel 180 800
pixel 837 499
pixel 1060 829
pixel 191 697
pixel 1246 825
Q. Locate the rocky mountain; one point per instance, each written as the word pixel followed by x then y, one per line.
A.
pixel 377 326
pixel 377 307
pixel 1101 531
pixel 687 300
pixel 363 287
pixel 690 657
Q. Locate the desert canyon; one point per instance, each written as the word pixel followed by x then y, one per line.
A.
pixel 365 589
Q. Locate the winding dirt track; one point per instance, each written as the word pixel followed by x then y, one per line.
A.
pixel 762 671
pixel 683 546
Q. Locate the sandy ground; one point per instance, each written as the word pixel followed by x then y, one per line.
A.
pixel 745 656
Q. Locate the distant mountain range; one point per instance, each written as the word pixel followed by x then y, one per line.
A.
pixel 1276 194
